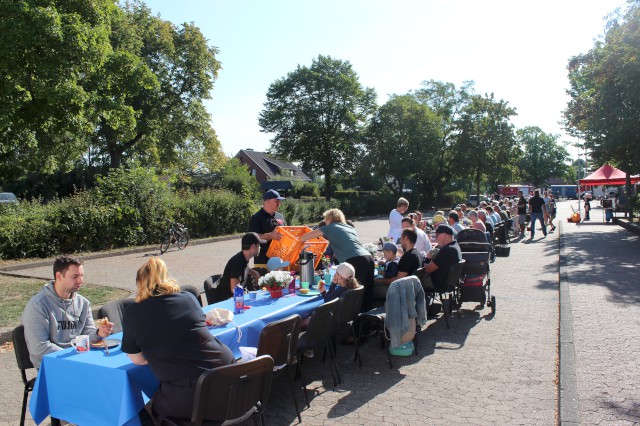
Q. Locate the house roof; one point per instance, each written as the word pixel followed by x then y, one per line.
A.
pixel 607 175
pixel 272 166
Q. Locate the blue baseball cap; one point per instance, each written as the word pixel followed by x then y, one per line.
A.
pixel 271 194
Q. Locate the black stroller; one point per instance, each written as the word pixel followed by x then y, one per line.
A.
pixel 476 251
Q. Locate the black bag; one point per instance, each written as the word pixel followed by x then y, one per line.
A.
pixel 502 250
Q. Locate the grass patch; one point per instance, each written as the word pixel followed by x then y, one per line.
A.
pixel 15 292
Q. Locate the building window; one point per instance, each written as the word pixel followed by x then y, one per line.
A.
pixel 253 172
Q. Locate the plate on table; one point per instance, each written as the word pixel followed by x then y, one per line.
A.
pixel 109 343
pixel 311 293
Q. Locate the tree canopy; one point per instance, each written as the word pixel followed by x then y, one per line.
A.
pixel 317 115
pixel 542 156
pixel 100 84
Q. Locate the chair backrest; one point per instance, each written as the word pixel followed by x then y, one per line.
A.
pixel 21 350
pixel 279 339
pixel 115 310
pixel 454 275
pixel 322 322
pixel 210 285
pixel 191 289
pixel 234 391
pixel 469 235
pixel 350 305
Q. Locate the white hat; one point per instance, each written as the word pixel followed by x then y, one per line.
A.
pixel 275 263
pixel 345 270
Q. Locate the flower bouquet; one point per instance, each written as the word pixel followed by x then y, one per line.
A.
pixel 371 248
pixel 326 262
pixel 275 281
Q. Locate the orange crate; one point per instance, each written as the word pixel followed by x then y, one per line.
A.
pixel 289 247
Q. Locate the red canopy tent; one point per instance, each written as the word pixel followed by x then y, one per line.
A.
pixel 608 175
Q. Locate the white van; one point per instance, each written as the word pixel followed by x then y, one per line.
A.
pixel 8 198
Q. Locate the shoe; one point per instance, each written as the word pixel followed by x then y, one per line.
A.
pixel 308 353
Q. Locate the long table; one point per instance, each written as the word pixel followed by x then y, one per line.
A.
pixel 94 388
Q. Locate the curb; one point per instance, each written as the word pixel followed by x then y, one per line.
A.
pixel 629 226
pixel 568 413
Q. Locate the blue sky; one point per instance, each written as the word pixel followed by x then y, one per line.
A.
pixel 517 50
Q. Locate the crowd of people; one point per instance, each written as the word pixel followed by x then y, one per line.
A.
pixel 166 329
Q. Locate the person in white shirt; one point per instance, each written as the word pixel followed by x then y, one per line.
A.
pixel 423 244
pixel 395 219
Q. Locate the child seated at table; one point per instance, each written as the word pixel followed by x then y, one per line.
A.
pixel 276 264
pixel 390 251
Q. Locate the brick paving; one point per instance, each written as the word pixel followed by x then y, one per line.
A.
pixel 484 369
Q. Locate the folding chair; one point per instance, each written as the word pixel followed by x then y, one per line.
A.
pixel 115 311
pixel 210 285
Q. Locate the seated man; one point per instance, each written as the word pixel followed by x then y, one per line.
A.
pixel 454 221
pixel 58 313
pixel 448 256
pixel 409 263
pixel 477 223
pixel 237 270
pixel 423 244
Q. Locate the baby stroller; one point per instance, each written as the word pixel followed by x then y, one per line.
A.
pixel 476 251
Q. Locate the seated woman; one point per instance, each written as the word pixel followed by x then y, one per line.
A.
pixel 343 280
pixel 166 329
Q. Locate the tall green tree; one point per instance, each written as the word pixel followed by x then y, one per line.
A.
pixel 487 147
pixel 604 109
pixel 542 156
pixel 447 102
pixel 318 114
pixel 47 50
pixel 402 140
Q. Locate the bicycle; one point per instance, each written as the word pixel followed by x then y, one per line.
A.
pixel 177 234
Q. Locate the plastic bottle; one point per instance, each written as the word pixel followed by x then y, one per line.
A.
pixel 238 297
pixel 292 284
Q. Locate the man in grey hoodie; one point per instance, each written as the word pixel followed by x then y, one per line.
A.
pixel 58 313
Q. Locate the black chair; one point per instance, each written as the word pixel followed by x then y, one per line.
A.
pixel 24 364
pixel 191 289
pixel 378 317
pixel 350 305
pixel 279 339
pixel 115 310
pixel 210 285
pixel 451 290
pixel 319 335
pixel 231 394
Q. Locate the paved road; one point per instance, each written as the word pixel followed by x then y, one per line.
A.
pixel 484 369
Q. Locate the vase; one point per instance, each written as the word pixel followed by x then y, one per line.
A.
pixel 276 294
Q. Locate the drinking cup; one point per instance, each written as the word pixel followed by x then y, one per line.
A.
pixel 81 343
pixel 305 285
pixel 253 295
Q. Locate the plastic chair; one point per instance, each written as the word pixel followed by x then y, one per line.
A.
pixel 115 310
pixel 191 289
pixel 279 339
pixel 319 334
pixel 24 364
pixel 210 286
pixel 452 286
pixel 350 305
pixel 231 394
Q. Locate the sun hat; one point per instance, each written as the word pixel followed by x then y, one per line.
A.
pixel 345 270
pixel 439 219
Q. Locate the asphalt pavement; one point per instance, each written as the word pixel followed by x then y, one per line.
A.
pixel 485 369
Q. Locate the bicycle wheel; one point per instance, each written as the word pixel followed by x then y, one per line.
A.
pixel 183 239
pixel 166 242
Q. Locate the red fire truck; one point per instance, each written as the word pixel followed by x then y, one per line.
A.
pixel 512 190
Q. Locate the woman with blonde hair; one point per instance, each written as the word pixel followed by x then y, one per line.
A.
pixel 166 329
pixel 346 247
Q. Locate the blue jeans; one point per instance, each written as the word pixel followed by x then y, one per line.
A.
pixel 540 217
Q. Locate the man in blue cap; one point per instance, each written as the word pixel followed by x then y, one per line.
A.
pixel 264 223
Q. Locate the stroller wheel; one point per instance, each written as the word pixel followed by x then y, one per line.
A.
pixel 493 305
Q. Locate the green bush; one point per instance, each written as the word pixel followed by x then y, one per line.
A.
pixel 212 212
pixel 299 212
pixel 303 188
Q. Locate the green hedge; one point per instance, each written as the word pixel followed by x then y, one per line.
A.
pixel 299 212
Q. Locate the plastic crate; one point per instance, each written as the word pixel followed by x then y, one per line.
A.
pixel 289 246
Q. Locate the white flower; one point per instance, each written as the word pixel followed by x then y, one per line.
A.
pixel 275 279
pixel 371 248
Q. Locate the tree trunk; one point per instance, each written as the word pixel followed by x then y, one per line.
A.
pixel 115 156
pixel 327 184
pixel 627 189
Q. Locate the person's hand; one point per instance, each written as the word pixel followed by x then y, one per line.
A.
pixel 275 235
pixel 105 327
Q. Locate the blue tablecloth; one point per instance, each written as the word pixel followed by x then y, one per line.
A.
pixel 94 388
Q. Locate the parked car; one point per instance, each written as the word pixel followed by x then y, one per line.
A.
pixel 473 200
pixel 8 198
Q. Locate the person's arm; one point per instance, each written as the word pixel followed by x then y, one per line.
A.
pixel 138 359
pixel 431 266
pixel 254 226
pixel 310 235
pixel 36 331
pixel 233 282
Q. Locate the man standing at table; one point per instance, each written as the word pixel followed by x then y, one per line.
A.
pixel 264 223
pixel 58 313
pixel 237 269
